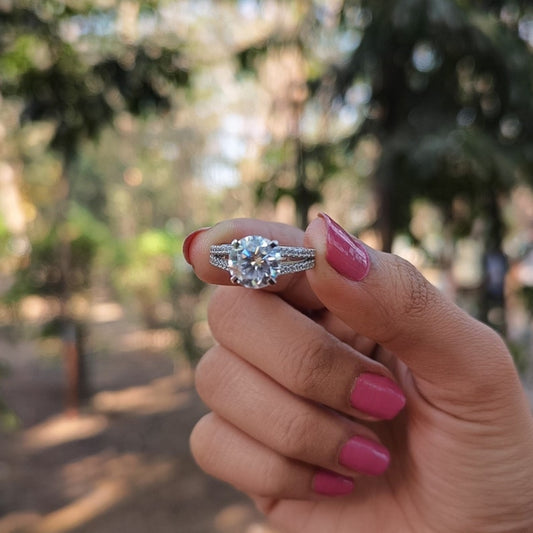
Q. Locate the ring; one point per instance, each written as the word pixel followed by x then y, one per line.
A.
pixel 255 262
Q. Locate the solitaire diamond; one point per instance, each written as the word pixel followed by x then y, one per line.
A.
pixel 254 262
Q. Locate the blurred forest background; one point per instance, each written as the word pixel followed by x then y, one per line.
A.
pixel 126 124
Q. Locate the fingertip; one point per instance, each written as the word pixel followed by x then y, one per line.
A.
pixel 378 396
pixel 365 456
pixel 196 250
pixel 315 235
pixel 322 277
pixel 328 483
pixel 189 241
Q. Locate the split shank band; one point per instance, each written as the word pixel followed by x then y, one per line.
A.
pixel 255 262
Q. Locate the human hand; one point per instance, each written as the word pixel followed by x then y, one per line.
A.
pixel 305 387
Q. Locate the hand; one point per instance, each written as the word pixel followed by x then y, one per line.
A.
pixel 307 386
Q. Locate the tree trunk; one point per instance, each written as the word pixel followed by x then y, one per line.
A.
pixel 385 220
pixel 302 196
pixel 71 338
pixel 495 265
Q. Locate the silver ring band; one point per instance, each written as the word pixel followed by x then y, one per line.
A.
pixel 255 262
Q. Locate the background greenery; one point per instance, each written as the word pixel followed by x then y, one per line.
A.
pixel 125 124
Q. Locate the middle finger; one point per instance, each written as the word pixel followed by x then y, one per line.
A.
pixel 301 355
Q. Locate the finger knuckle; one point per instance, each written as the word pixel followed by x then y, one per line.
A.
pixel 200 442
pixel 414 293
pixel 216 377
pixel 206 374
pixel 497 371
pixel 222 308
pixel 309 365
pixel 295 433
pixel 274 481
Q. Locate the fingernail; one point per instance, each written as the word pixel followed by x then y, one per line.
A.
pixel 345 253
pixel 377 395
pixel 188 242
pixel 364 456
pixel 331 484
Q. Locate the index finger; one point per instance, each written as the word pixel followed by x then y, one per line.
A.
pixel 294 288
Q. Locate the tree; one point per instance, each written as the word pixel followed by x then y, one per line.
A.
pixel 77 66
pixel 450 104
pixel 441 87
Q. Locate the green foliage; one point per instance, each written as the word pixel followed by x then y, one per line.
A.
pixel 449 88
pixel 526 294
pixel 79 90
pixel 5 237
pixel 79 85
pixel 145 263
pixel 450 103
pixel 319 162
pixel 9 421
pixel 520 356
pixel 41 274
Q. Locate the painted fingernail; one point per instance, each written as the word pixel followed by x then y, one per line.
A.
pixel 188 242
pixel 377 395
pixel 365 456
pixel 344 252
pixel 331 484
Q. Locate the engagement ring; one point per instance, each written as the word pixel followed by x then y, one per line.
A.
pixel 255 262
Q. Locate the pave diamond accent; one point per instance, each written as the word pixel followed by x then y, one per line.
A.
pixel 255 262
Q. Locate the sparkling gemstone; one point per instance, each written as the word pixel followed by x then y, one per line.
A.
pixel 254 262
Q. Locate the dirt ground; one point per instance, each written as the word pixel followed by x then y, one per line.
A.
pixel 123 464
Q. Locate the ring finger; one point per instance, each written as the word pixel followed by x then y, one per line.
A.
pixel 285 423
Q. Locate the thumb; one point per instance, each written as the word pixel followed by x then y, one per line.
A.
pixel 386 299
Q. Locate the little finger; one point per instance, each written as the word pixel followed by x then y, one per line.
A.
pixel 224 452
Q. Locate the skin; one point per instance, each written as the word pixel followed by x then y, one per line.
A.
pixel 278 384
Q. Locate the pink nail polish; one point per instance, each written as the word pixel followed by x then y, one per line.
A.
pixel 365 456
pixel 377 395
pixel 331 484
pixel 188 242
pixel 345 253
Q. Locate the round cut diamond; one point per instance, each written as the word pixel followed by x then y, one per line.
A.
pixel 254 262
